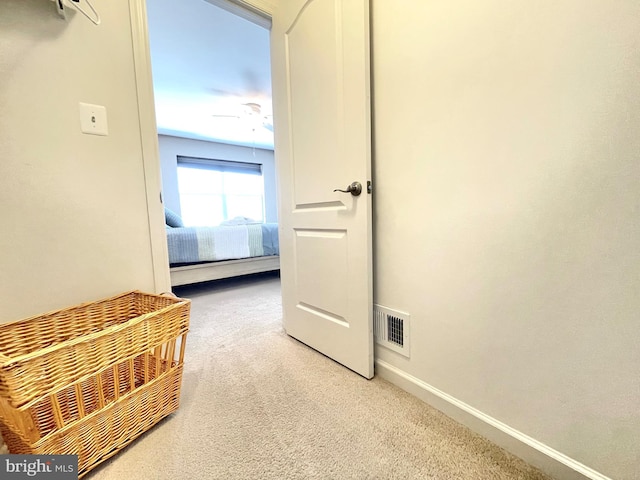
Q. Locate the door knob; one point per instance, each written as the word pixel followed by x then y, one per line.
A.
pixel 354 189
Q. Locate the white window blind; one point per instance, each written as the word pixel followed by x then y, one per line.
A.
pixel 212 191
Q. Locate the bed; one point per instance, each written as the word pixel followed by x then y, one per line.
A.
pixel 199 254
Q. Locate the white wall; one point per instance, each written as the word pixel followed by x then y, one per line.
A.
pixel 171 147
pixel 74 206
pixel 506 198
pixel 507 212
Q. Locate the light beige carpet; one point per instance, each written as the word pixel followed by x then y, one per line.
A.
pixel 257 404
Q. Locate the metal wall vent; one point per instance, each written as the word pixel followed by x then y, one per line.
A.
pixel 391 329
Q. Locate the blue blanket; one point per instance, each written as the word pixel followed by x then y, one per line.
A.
pixel 210 244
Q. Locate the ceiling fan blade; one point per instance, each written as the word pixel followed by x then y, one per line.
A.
pixel 224 93
pixel 267 122
pixel 248 86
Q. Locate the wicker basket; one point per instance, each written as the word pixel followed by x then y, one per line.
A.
pixel 89 379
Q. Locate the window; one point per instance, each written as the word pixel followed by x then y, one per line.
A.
pixel 212 191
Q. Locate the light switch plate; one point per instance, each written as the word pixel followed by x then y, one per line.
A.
pixel 93 119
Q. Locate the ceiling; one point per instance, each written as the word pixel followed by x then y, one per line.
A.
pixel 208 64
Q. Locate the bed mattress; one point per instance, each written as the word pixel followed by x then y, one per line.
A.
pixel 210 244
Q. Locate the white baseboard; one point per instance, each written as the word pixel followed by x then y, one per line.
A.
pixel 529 449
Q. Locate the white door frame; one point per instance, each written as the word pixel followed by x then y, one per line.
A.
pixel 149 142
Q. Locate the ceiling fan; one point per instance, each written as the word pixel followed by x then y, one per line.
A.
pixel 251 114
pixel 244 99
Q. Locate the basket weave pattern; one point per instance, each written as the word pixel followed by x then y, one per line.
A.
pixel 88 380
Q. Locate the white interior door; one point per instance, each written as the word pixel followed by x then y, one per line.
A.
pixel 321 93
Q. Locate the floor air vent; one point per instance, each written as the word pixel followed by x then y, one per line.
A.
pixel 391 329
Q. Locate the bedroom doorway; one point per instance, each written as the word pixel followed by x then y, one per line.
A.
pixel 212 87
pixel 330 39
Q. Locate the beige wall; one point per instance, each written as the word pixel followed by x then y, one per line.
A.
pixel 171 147
pixel 74 206
pixel 507 207
pixel 507 212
